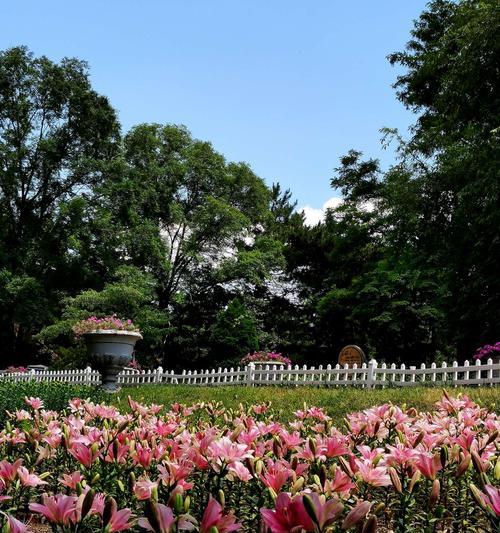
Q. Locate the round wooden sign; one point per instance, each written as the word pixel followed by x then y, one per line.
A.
pixel 351 355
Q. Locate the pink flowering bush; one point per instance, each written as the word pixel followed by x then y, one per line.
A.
pixel 108 322
pixel 209 469
pixel 488 351
pixel 266 357
pixel 16 370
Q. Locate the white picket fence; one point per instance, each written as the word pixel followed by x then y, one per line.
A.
pixel 367 376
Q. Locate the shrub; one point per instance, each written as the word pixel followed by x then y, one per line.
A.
pixel 55 395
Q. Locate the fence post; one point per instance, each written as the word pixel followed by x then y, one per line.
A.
pixel 370 382
pixel 159 375
pixel 250 374
pixel 87 377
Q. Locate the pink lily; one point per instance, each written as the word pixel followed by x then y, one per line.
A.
pixel 15 526
pixel 59 509
pixel 119 521
pixel 289 515
pixel 214 517
pixel 428 465
pixel 27 479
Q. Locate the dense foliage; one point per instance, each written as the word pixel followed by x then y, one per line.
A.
pixel 210 263
pixel 210 469
pixel 55 395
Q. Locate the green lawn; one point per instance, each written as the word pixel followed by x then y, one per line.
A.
pixel 337 402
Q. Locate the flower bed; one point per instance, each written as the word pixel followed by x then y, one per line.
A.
pixel 210 469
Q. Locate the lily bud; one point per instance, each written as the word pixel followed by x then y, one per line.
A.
pixel 120 484
pixel 476 494
pixel 312 446
pixel 396 482
pixel 95 479
pixel 249 463
pixel 297 485
pixel 493 437
pixel 187 503
pixel 316 479
pixel 179 503
pixel 131 481
pixel 213 529
pixel 276 447
pixel 110 508
pixel 419 439
pixel 259 466
pixel 323 474
pixel 221 497
pixel 464 465
pixel 443 456
pixel 370 525
pixel 78 488
pixel 309 507
pixel 496 472
pixel 434 495
pixel 87 502
pixel 379 508
pixel 414 480
pixel 476 460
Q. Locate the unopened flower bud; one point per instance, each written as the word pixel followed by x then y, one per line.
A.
pixel 370 525
pixel 396 482
pixel 297 485
pixel 221 497
pixel 434 495
pixel 179 503
pixel 323 474
pixel 419 439
pixel 87 502
pixel 309 507
pixel 496 472
pixel 187 503
pixel 110 508
pixel 443 455
pixel 464 465
pixel 414 480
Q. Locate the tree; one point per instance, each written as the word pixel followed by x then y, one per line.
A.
pixel 54 132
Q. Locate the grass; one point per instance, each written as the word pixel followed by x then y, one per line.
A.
pixel 337 402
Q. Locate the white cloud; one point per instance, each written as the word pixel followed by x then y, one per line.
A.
pixel 315 215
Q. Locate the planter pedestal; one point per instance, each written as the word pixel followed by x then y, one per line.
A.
pixel 109 351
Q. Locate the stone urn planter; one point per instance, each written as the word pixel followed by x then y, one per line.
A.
pixel 109 351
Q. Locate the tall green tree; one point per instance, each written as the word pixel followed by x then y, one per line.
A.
pixel 54 132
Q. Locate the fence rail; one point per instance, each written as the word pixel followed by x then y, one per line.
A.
pixel 367 376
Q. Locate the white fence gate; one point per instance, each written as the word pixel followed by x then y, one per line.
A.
pixel 368 375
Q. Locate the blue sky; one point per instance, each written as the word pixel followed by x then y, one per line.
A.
pixel 285 85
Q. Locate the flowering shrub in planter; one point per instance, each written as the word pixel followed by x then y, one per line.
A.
pixel 265 357
pixel 209 469
pixel 93 323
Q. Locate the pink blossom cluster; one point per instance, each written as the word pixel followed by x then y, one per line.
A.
pixel 210 469
pixel 94 323
pixel 487 351
pixel 16 369
pixel 259 357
